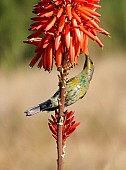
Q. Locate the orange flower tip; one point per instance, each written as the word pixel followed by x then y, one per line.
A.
pixel 52 117
pixel 86 53
pixel 51 24
pixel 50 121
pixel 60 12
pixel 76 16
pixel 68 10
pixel 49 71
pixel 96 6
pixel 32 18
pixel 100 44
pixel 31 65
pixel 25 41
pixel 88 11
pixel 54 136
pixel 35 5
pixel 77 124
pixel 58 67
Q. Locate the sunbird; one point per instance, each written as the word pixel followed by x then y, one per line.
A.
pixel 76 88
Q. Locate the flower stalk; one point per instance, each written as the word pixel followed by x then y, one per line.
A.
pixel 60 121
pixel 62 88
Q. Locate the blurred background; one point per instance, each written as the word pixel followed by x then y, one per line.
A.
pixel 99 143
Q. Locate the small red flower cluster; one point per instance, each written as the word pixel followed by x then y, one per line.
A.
pixel 62 28
pixel 69 125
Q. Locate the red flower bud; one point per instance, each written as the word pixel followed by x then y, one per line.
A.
pixel 69 125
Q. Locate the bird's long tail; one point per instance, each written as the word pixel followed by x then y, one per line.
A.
pixel 33 110
pixel 39 108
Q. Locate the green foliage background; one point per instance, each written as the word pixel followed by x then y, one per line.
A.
pixel 15 20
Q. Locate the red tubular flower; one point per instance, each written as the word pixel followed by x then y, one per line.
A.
pixel 69 125
pixel 62 28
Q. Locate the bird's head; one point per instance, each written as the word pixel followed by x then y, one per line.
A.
pixel 88 65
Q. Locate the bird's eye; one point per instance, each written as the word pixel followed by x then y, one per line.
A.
pixel 92 62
